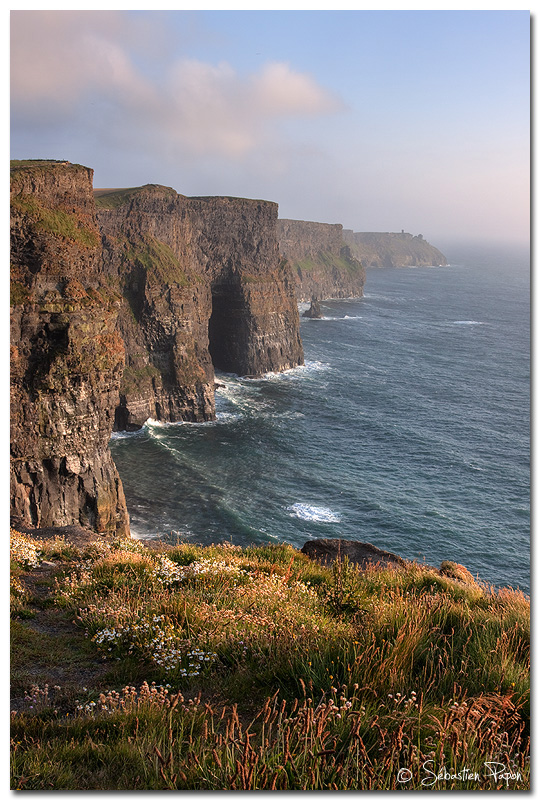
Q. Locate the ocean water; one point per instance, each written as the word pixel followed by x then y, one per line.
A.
pixel 407 427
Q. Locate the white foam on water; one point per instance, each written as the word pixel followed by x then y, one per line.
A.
pixel 301 371
pixel 333 319
pixel 225 417
pixel 467 322
pixel 313 513
pixel 115 435
pixel 156 423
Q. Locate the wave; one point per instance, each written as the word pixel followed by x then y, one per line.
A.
pixel 467 322
pixel 332 319
pixel 156 423
pixel 117 435
pixel 313 513
pixel 301 371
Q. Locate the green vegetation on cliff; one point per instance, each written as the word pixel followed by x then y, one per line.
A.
pixel 56 221
pixel 326 262
pixel 159 261
pixel 29 164
pixel 227 668
pixel 115 198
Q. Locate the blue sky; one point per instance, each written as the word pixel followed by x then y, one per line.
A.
pixel 379 120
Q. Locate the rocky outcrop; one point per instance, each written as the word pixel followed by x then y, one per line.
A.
pixel 314 310
pixel 326 551
pixel 204 287
pixel 66 355
pixel 393 250
pixel 321 261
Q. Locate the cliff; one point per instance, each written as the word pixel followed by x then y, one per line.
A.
pixel 321 260
pixel 204 287
pixel 393 250
pixel 123 315
pixel 66 354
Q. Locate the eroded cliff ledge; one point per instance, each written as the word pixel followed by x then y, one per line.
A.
pixel 67 356
pixel 393 250
pixel 321 261
pixel 204 287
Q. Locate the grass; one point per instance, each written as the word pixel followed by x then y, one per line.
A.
pixel 159 261
pixel 115 198
pixel 326 262
pixel 223 667
pixel 56 221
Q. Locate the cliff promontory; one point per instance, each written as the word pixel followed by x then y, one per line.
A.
pixel 393 250
pixel 66 354
pixel 204 287
pixel 322 262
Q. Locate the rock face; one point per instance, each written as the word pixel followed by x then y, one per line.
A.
pixel 121 318
pixel 204 287
pixel 314 311
pixel 393 250
pixel 163 321
pixel 254 326
pixel 322 263
pixel 326 551
pixel 66 355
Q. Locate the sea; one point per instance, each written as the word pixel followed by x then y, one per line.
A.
pixel 407 427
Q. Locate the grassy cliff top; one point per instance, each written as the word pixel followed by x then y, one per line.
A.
pixel 221 667
pixel 210 198
pixel 114 198
pixel 40 164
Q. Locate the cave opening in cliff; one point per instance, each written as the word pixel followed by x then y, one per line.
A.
pixel 227 334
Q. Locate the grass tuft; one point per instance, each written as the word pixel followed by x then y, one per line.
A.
pixel 223 667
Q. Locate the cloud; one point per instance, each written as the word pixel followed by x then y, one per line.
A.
pixel 63 63
pixel 213 109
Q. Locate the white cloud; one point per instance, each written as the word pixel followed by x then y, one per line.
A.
pixel 61 62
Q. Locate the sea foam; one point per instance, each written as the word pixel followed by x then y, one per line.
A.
pixel 313 513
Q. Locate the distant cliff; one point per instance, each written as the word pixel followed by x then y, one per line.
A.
pixel 322 262
pixel 393 250
pixel 67 356
pixel 204 287
pixel 122 315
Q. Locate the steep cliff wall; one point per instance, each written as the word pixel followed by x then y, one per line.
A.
pixel 321 261
pixel 254 326
pixel 147 255
pixel 393 250
pixel 123 318
pixel 66 354
pixel 204 287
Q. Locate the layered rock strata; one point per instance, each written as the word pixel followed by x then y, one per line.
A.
pixel 204 287
pixel 66 355
pixel 393 250
pixel 123 317
pixel 321 261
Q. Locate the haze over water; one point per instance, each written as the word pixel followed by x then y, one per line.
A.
pixel 408 427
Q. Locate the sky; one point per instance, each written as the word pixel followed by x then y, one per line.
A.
pixel 378 120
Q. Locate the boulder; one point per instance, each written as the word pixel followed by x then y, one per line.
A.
pixel 326 551
pixel 314 311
